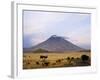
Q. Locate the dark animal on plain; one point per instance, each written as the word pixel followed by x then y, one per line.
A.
pixel 28 63
pixel 72 58
pixel 43 56
pixel 46 63
pixel 58 61
pixel 37 63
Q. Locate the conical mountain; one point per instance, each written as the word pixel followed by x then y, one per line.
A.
pixel 56 43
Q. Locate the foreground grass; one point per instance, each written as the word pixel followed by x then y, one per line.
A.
pixel 66 59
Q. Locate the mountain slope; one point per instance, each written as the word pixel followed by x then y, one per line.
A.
pixel 56 43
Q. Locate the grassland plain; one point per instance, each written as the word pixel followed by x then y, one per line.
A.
pixel 52 60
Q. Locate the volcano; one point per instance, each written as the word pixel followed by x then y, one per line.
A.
pixel 56 44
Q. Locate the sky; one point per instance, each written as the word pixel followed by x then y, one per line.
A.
pixel 38 26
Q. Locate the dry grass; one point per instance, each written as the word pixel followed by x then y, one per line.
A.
pixel 33 61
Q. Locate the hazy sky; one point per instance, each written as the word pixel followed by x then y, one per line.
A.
pixel 40 25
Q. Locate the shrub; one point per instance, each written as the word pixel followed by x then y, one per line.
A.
pixel 68 58
pixel 72 58
pixel 37 63
pixel 84 58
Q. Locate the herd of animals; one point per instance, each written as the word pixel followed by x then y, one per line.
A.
pixel 44 62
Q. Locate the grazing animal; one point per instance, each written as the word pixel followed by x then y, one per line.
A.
pixel 28 63
pixel 46 63
pixel 41 56
pixel 58 61
pixel 37 63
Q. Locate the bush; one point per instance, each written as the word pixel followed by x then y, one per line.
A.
pixel 84 58
pixel 68 58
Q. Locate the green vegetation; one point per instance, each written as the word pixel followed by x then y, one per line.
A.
pixel 85 50
pixel 40 51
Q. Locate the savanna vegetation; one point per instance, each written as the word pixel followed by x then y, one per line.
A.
pixel 36 59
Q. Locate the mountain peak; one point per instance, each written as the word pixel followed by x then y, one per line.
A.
pixel 56 37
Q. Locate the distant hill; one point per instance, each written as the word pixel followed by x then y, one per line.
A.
pixel 56 44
